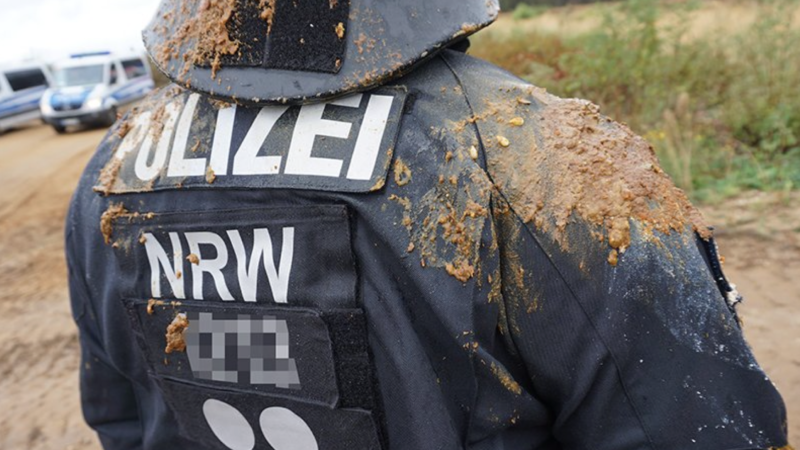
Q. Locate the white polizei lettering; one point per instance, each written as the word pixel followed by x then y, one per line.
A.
pixel 247 161
pixel 205 265
pixel 158 259
pixel 179 165
pixel 147 172
pixel 262 249
pixel 138 132
pixel 223 133
pixel 310 124
pixel 368 145
pixel 351 101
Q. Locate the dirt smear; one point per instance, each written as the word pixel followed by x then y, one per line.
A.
pixel 115 212
pixel 108 176
pixel 505 379
pixel 151 306
pixel 402 173
pixel 446 223
pixel 176 341
pixel 202 37
pixel 109 217
pixel 211 177
pixel 146 120
pixel 575 162
pixel 267 12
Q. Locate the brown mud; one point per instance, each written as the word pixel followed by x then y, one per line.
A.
pixel 194 259
pixel 505 379
pixel 759 235
pixel 202 39
pixel 570 160
pixel 176 342
pixel 107 220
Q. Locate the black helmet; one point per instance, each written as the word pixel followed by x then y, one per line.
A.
pixel 263 52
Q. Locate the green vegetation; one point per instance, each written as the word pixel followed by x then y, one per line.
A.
pixel 722 110
pixel 525 11
pixel 510 5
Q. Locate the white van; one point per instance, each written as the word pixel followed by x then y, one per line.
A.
pixel 21 89
pixel 91 88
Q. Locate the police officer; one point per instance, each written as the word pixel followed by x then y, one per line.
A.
pixel 338 231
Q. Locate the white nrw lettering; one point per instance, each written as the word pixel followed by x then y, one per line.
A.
pixel 211 266
pixel 157 257
pixel 262 248
pixel 279 279
pixel 278 275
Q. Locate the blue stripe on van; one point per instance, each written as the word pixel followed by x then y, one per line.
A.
pixel 22 102
pixel 60 101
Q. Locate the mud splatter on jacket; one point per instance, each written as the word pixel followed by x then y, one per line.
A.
pixel 429 265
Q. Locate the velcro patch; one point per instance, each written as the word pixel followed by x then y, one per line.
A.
pixel 296 256
pixel 248 30
pixel 216 362
pixel 308 35
pixel 283 351
pixel 188 141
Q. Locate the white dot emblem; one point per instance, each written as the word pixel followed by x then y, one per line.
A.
pixel 229 425
pixel 285 430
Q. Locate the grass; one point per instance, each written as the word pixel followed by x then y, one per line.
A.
pixel 722 109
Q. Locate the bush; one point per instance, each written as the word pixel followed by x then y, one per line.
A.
pixel 722 112
pixel 526 11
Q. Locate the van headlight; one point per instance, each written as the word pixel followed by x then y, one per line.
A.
pixel 47 110
pixel 94 103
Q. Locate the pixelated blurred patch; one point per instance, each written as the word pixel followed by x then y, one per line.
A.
pixel 241 348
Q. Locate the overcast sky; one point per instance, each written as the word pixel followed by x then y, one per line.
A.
pixel 52 29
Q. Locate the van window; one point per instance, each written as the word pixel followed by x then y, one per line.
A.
pixel 80 75
pixel 134 68
pixel 25 79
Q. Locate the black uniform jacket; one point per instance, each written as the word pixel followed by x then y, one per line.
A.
pixel 455 260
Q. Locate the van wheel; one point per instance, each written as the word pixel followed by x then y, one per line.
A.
pixel 60 129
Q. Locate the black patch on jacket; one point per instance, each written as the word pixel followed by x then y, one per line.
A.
pixel 304 35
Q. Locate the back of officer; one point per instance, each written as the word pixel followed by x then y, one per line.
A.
pixel 337 231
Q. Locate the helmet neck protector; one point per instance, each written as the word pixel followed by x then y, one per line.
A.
pixel 264 52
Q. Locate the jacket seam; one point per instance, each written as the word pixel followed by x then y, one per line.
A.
pixel 484 165
pixel 552 263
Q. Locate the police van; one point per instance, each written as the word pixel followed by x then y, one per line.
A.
pixel 21 89
pixel 91 88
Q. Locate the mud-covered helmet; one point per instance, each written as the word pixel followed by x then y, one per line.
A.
pixel 262 52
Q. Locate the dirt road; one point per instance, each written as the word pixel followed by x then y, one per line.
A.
pixel 39 352
pixel 759 235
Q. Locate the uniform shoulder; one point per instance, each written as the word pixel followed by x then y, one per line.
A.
pixel 557 161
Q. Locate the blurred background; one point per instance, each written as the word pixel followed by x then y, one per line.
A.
pixel 713 85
